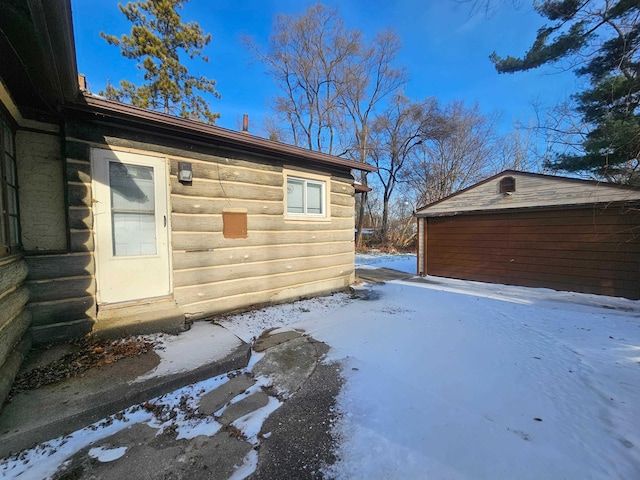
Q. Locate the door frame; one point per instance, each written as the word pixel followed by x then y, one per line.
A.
pixel 97 155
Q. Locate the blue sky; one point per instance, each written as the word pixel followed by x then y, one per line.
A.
pixel 445 51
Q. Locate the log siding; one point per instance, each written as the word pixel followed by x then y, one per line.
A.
pixel 14 320
pixel 281 259
pixel 62 284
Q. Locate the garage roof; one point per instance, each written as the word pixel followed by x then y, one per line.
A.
pixel 530 190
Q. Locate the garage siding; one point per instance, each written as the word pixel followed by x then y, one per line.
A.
pixel 588 250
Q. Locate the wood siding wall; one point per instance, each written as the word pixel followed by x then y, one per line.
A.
pixel 278 261
pixel 589 250
pixel 14 320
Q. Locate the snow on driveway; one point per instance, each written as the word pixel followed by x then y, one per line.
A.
pixel 462 380
pixel 448 379
pixel 467 380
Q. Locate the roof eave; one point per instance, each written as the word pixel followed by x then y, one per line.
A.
pixel 221 136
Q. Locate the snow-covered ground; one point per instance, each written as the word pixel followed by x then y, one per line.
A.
pixel 462 380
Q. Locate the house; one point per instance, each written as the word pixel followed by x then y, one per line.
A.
pixel 536 230
pixel 113 217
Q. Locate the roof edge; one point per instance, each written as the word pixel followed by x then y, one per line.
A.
pixel 230 138
pixel 530 174
pixel 568 206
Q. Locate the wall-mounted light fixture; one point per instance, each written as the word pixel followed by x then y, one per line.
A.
pixel 185 174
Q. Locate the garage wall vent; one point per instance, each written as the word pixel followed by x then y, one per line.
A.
pixel 508 185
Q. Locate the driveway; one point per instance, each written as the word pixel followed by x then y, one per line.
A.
pixel 420 378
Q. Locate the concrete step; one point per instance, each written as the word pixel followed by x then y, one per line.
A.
pixel 116 321
pixel 218 398
pixel 248 404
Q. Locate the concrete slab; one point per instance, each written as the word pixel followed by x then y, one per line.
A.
pixel 381 275
pixel 268 340
pixel 149 455
pixel 288 365
pixel 298 437
pixel 218 398
pixel 39 415
pixel 247 405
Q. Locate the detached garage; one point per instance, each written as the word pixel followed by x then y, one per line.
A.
pixel 536 230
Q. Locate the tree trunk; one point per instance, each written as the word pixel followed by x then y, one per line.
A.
pixel 361 212
pixel 385 220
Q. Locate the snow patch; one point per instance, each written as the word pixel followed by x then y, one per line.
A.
pixel 204 343
pixel 104 455
pixel 251 423
pixel 249 465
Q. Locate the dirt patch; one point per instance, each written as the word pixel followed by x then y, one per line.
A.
pixel 88 353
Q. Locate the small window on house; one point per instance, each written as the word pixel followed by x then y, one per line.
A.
pixel 306 197
pixel 9 222
pixel 507 185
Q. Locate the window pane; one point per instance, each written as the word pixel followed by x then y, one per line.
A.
pixel 3 235
pixel 10 170
pixel 12 206
pixel 13 226
pixel 9 223
pixel 132 209
pixel 8 139
pixel 131 187
pixel 134 234
pixel 295 196
pixel 314 198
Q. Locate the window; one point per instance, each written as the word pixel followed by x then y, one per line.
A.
pixel 133 209
pixel 9 223
pixel 507 185
pixel 306 197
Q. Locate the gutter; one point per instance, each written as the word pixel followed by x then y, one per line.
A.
pixel 210 133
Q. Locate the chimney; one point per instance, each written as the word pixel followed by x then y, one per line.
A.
pixel 245 123
pixel 82 82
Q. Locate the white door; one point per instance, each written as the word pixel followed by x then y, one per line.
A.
pixel 130 225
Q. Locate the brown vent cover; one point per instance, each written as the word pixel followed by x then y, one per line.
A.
pixel 234 224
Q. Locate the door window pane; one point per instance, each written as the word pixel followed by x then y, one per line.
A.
pixel 132 209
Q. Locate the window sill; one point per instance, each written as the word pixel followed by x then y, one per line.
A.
pixel 305 218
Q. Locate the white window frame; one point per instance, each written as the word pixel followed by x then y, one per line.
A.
pixel 308 178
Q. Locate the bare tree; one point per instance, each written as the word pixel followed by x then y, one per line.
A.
pixel 367 81
pixel 332 81
pixel 306 57
pixel 396 134
pixel 461 152
pixel 518 150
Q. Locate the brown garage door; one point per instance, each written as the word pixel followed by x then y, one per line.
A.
pixel 583 250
